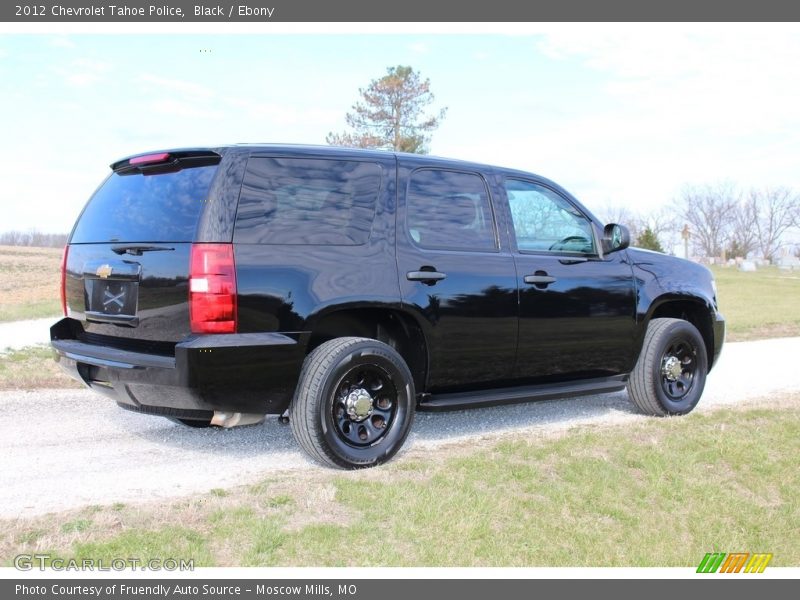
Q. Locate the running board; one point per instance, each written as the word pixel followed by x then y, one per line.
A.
pixel 482 398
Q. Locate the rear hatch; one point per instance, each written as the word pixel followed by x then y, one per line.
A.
pixel 127 265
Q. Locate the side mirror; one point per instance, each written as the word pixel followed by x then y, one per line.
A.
pixel 615 237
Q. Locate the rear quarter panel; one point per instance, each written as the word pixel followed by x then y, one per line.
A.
pixel 288 287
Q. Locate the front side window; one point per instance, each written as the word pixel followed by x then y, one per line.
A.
pixel 307 201
pixel 449 210
pixel 544 221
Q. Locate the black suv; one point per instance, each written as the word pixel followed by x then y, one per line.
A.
pixel 345 289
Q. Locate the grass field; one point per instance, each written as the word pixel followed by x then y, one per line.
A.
pixel 657 493
pixel 32 368
pixel 759 305
pixel 29 280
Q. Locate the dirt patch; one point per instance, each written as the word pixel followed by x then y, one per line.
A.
pixel 764 332
pixel 29 282
pixel 29 274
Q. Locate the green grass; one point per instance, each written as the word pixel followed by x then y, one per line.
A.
pixel 30 310
pixel 759 305
pixel 659 492
pixel 32 367
pixel 167 542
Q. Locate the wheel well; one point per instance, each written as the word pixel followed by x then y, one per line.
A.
pixel 385 325
pixel 696 314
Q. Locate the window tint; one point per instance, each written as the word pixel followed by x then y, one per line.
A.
pixel 546 222
pixel 448 209
pixel 146 208
pixel 307 201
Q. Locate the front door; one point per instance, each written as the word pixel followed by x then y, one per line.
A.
pixel 577 307
pixel 457 277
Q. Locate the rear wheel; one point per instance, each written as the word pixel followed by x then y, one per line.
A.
pixel 354 403
pixel 670 375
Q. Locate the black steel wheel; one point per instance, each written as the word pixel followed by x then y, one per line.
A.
pixel 678 366
pixel 670 375
pixel 354 403
pixel 365 405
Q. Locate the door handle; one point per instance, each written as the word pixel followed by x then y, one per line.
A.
pixel 427 277
pixel 539 279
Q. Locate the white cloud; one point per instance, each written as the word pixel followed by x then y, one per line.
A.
pixel 285 114
pixel 720 79
pixel 62 42
pixel 180 108
pixel 83 72
pixel 677 104
pixel 188 88
pixel 419 47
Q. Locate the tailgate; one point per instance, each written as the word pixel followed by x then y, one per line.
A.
pixel 143 297
pixel 128 260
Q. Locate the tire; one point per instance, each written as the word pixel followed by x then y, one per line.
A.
pixel 354 403
pixel 670 375
pixel 194 423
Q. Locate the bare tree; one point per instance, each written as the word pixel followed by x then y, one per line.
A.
pixel 776 213
pixel 33 237
pixel 710 211
pixel 662 223
pixel 744 236
pixel 611 213
pixel 665 223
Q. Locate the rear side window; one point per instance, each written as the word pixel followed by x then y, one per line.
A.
pixel 146 208
pixel 449 210
pixel 307 201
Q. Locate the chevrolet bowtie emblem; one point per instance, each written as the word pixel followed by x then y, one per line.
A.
pixel 104 271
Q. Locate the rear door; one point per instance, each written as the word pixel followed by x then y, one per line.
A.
pixel 457 276
pixel 577 307
pixel 128 257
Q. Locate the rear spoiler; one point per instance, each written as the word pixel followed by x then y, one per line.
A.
pixel 153 163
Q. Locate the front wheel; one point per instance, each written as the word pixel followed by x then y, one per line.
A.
pixel 354 403
pixel 670 375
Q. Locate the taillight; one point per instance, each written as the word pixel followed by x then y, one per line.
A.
pixel 64 280
pixel 149 159
pixel 212 289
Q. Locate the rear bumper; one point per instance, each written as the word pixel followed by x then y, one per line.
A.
pixel 248 373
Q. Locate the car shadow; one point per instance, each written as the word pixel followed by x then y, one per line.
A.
pixel 430 428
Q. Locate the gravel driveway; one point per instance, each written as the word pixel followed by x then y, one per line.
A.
pixel 63 449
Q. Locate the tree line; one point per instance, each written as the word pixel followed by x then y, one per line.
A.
pixel 33 238
pixel 721 220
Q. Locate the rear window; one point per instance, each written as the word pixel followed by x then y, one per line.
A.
pixel 146 208
pixel 307 201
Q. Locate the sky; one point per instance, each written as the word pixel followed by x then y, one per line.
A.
pixel 620 115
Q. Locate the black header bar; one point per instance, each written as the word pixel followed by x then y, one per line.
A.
pixel 391 589
pixel 340 11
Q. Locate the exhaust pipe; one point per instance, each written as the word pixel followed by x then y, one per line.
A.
pixel 235 419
